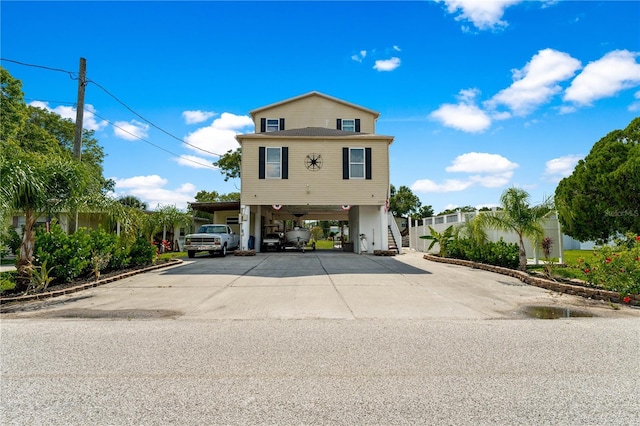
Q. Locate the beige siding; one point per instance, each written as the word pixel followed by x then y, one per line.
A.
pixel 316 111
pixel 321 187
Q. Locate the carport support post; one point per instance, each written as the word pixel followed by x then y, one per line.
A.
pixel 245 226
pixel 257 223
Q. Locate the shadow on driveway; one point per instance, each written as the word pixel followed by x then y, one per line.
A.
pixel 295 264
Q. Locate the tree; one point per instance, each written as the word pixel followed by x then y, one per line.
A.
pixel 14 114
pixel 465 209
pixel 425 211
pixel 229 164
pixel 442 238
pixel 601 198
pixel 403 202
pixel 38 185
pixel 133 202
pixel 519 216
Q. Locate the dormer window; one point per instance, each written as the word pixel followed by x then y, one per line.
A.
pixel 271 124
pixel 348 124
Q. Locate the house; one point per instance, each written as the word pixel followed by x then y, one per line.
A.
pixel 316 157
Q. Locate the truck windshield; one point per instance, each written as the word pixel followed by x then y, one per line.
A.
pixel 210 229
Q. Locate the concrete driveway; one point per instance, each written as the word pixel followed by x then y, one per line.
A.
pixel 318 338
pixel 320 284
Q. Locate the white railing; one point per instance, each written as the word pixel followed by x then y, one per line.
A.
pixel 397 236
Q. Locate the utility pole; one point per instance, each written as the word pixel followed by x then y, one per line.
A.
pixel 82 82
pixel 77 137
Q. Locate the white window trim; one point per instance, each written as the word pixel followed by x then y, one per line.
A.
pixel 277 120
pixel 266 162
pixel 353 120
pixel 364 163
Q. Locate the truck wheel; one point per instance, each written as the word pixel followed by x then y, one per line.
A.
pixel 191 254
pixel 223 253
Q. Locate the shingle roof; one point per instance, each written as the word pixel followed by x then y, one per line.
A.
pixel 314 93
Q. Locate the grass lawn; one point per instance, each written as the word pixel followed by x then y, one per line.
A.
pixel 324 245
pixel 570 259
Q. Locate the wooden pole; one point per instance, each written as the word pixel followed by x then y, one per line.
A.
pixel 82 82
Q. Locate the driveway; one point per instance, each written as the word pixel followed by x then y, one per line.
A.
pixel 319 284
pixel 317 338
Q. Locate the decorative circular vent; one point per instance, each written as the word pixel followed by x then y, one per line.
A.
pixel 313 162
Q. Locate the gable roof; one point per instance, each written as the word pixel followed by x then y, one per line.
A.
pixel 314 93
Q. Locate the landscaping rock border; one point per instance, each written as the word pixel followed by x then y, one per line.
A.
pixel 576 290
pixel 69 290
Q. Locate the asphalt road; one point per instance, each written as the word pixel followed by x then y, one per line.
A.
pixel 318 338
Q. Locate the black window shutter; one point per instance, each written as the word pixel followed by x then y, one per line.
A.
pixel 357 125
pixel 345 163
pixel 281 124
pixel 367 163
pixel 285 162
pixel 263 125
pixel 339 124
pixel 261 160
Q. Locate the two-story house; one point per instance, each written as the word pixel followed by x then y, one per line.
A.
pixel 315 157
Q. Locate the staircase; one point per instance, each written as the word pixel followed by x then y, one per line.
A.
pixel 392 242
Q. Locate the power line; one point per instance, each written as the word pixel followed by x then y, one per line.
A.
pixel 149 122
pixel 71 73
pixel 154 145
pixel 50 101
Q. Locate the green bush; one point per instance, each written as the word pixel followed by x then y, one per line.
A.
pixel 497 253
pixel 69 255
pixel 142 252
pixel 9 238
pixel 614 268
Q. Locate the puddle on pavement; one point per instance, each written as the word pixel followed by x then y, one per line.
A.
pixel 126 314
pixel 553 312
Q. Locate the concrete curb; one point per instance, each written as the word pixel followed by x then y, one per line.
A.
pixel 56 293
pixel 576 290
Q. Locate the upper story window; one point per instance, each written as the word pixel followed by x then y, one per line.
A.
pixel 271 124
pixel 273 162
pixel 356 163
pixel 348 124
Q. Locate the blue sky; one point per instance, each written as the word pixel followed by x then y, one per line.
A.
pixel 480 95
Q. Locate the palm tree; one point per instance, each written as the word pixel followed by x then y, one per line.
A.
pixel 442 238
pixel 519 216
pixel 132 201
pixel 38 185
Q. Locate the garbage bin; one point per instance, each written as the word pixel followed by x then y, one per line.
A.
pixel 252 242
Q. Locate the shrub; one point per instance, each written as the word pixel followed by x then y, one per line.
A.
pixel 70 255
pixel 9 238
pixel 614 268
pixel 142 252
pixel 497 253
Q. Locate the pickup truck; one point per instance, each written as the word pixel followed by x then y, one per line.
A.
pixel 216 239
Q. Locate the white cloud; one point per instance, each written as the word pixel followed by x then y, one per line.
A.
pixel 449 185
pixel 387 64
pixel 483 14
pixel 150 189
pixel 396 48
pixel 465 115
pixel 537 82
pixel 481 162
pixel 130 131
pixel 89 120
pixel 194 161
pixel 193 117
pixel 219 137
pixel 358 57
pixel 490 171
pixel 558 168
pixel 614 72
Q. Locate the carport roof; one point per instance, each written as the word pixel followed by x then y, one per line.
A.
pixel 215 206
